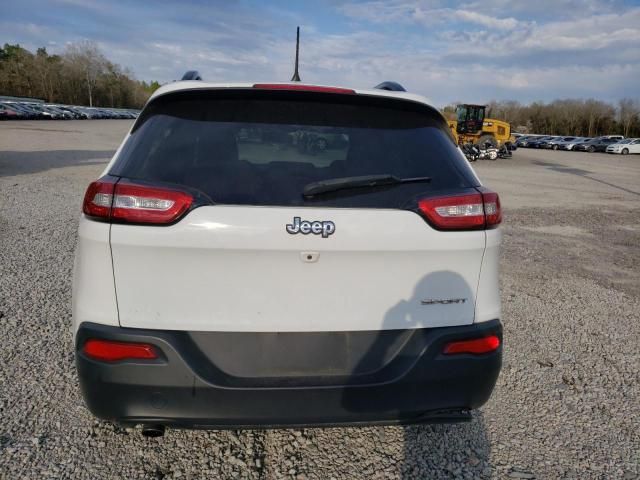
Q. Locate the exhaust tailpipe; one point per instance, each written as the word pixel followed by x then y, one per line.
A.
pixel 152 430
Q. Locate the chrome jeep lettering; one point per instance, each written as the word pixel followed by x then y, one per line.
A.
pixel 324 228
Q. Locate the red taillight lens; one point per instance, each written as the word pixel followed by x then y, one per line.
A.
pixel 463 212
pixel 109 351
pixel 98 198
pixel 492 209
pixel 476 346
pixel 305 88
pixel 142 204
pixel 130 203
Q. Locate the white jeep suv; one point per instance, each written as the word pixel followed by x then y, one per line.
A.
pixel 231 274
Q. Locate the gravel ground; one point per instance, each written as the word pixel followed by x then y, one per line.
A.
pixel 567 404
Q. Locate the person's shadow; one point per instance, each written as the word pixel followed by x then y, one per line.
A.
pixel 430 450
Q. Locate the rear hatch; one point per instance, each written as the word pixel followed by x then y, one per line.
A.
pixel 252 253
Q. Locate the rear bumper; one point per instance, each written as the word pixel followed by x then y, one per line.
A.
pixel 415 383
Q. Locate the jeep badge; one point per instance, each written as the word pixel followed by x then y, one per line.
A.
pixel 324 228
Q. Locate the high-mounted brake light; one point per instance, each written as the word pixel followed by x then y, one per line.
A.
pixel 303 88
pixel 475 346
pixel 110 351
pixel 476 211
pixel 131 203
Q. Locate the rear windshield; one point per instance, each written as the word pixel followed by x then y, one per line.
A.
pixel 263 150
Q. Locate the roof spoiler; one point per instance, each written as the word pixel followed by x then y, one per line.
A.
pixel 390 86
pixel 191 75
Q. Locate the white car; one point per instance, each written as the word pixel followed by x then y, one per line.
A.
pixel 227 278
pixel 625 147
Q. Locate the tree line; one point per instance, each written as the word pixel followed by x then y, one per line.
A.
pixel 575 117
pixel 81 75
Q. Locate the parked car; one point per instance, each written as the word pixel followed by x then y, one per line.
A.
pixel 76 114
pixel 625 147
pixel 386 306
pixel 545 143
pixel 524 140
pixel 44 111
pixel 94 113
pixel 570 144
pixel 64 114
pixel 555 143
pixel 28 113
pixel 8 113
pixel 528 140
pixel 598 144
pixel 539 141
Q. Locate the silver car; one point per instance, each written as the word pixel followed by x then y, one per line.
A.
pixel 556 142
pixel 570 144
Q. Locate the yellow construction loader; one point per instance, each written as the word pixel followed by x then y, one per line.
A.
pixel 471 126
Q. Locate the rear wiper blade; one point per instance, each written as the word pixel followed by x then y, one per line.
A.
pixel 363 181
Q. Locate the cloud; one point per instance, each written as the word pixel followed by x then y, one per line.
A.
pixel 508 23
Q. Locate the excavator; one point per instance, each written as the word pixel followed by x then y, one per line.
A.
pixel 471 126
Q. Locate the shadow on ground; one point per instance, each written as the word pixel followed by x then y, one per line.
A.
pixel 557 167
pixel 22 163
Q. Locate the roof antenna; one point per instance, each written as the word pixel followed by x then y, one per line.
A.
pixel 296 76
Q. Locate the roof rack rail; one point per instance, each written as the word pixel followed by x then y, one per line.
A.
pixel 191 75
pixel 391 86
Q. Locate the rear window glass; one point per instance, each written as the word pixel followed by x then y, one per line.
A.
pixel 263 151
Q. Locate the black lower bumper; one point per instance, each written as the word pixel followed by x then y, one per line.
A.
pixel 377 377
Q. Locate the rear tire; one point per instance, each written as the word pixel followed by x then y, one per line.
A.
pixel 592 149
pixel 625 151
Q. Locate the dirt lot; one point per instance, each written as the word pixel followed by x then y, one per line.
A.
pixel 566 404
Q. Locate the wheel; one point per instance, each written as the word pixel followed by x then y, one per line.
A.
pixel 625 151
pixel 592 149
pixel 321 144
pixel 487 138
pixel 555 147
pixel 493 155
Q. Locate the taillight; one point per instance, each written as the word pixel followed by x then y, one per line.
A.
pixel 492 209
pixel 475 346
pixel 111 351
pixel 125 202
pixel 302 87
pixel 98 198
pixel 475 211
pixel 143 204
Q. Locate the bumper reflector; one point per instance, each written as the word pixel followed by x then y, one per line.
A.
pixel 109 351
pixel 476 346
